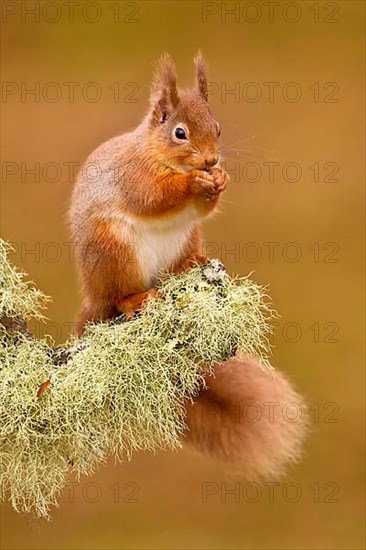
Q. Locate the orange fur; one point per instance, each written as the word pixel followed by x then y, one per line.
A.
pixel 109 271
pixel 244 419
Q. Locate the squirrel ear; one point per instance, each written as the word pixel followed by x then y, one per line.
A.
pixel 201 75
pixel 164 94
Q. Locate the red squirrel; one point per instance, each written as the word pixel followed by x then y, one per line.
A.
pixel 142 215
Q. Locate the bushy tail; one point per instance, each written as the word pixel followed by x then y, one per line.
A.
pixel 251 419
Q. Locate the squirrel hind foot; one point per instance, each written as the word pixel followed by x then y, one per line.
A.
pixel 135 302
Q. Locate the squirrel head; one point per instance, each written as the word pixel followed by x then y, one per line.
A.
pixel 185 131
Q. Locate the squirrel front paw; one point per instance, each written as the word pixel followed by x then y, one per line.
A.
pixel 209 183
pixel 191 261
pixel 221 178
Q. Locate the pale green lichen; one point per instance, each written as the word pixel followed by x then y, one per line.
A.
pixel 123 386
pixel 18 298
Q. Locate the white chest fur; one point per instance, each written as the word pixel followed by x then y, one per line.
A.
pixel 157 244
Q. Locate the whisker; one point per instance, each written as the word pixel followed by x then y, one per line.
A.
pixel 252 150
pixel 243 156
pixel 262 154
pixel 244 140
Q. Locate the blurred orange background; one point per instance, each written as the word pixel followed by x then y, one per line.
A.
pixel 297 73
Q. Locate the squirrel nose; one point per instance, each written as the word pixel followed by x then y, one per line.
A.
pixel 211 161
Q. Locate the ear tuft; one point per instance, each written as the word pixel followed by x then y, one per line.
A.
pixel 201 75
pixel 164 94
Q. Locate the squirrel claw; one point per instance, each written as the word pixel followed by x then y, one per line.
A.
pixel 210 183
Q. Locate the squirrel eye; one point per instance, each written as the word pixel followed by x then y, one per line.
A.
pixel 180 133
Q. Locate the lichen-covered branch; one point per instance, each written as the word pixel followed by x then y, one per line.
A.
pixel 119 389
